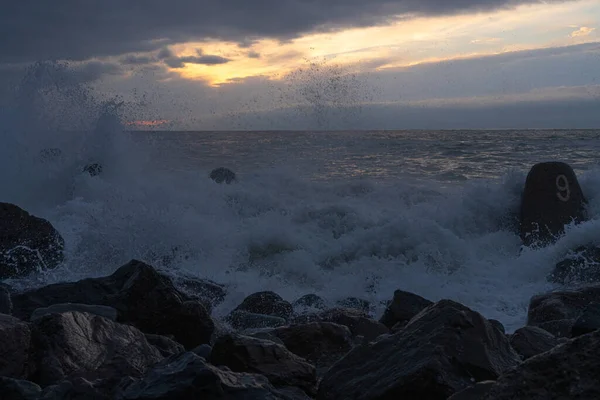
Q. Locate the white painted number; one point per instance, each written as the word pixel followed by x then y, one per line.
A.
pixel 564 191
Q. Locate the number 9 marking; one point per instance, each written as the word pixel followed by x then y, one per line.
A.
pixel 564 191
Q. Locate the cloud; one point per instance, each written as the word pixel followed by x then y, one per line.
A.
pixel 31 30
pixel 179 62
pixel 582 32
pixel 253 54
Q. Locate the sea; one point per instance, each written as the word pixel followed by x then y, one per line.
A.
pixel 335 213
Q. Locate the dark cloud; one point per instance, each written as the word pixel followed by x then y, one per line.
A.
pixel 253 54
pixel 73 29
pixel 132 59
pixel 179 62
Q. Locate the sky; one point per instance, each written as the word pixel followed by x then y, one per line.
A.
pixel 320 64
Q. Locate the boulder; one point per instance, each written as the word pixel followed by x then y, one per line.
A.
pixel 27 243
pixel 579 266
pixel 93 169
pixel 403 307
pixel 5 300
pixel 562 304
pixel 142 297
pixel 266 303
pixel 498 325
pixel 165 345
pixel 14 389
pixel 568 371
pixel 242 320
pixel 275 362
pixel 203 290
pixel 475 392
pixel 552 198
pixel 189 377
pixel 222 174
pixel 308 302
pixel 203 351
pixel 588 321
pixel 73 344
pixel 560 328
pixel 530 341
pixel 103 311
pixel 359 323
pixel 444 349
pixel 81 389
pixel 15 348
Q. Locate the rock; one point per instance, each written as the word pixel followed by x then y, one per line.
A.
pixel 73 344
pixel 203 351
pixel 358 322
pixel 202 289
pixel 15 347
pixel 475 392
pixel 189 377
pixel 103 311
pixel 243 320
pixel 498 325
pixel 444 349
pixel 13 389
pixel 27 243
pixel 275 362
pixel 266 303
pixel 580 266
pixel 93 169
pixel 560 328
pixel 589 321
pixel 141 296
pixel 320 343
pixel 81 389
pixel 563 304
pixel 5 301
pixel 552 198
pixel 221 175
pixel 530 341
pixel 354 303
pixel 164 345
pixel 403 307
pixel 568 371
pixel 309 301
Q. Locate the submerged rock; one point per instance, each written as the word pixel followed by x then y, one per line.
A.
pixel 27 243
pixel 552 198
pixel 222 174
pixel 403 307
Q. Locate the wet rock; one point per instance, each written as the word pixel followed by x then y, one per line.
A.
pixel 498 325
pixel 202 290
pixel 74 344
pixel 589 321
pixel 475 392
pixel 5 301
pixel 444 349
pixel 203 351
pixel 275 362
pixel 561 305
pixel 530 341
pixel 221 175
pixel 103 311
pixel 189 377
pixel 242 320
pixel 165 345
pixel 310 301
pixel 141 296
pixel 560 328
pixel 579 266
pixel 355 304
pixel 93 169
pixel 15 347
pixel 568 371
pixel 81 389
pixel 359 323
pixel 552 198
pixel 403 307
pixel 27 243
pixel 13 389
pixel 266 303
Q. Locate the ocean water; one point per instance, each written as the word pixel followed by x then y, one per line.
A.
pixel 337 214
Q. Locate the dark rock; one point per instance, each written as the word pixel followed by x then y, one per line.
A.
pixel 164 345
pixel 242 320
pixel 275 362
pixel 321 343
pixel 13 389
pixel 142 297
pixel 221 175
pixel 73 344
pixel 403 307
pixel 530 341
pixel 358 322
pixel 103 311
pixel 475 392
pixel 81 389
pixel 563 304
pixel 498 325
pixel 552 198
pixel 202 289
pixel 398 326
pixel 266 303
pixel 15 347
pixel 203 351
pixel 27 243
pixel 579 266
pixel 309 301
pixel 93 169
pixel 189 377
pixel 354 303
pixel 5 301
pixel 560 328
pixel 444 349
pixel 588 322
pixel 568 371
pixel 265 334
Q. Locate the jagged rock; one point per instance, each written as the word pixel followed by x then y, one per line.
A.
pixel 354 303
pixel 15 347
pixel 165 345
pixel 14 389
pixel 560 328
pixel 579 266
pixel 142 297
pixel 93 169
pixel 221 175
pixel 266 303
pixel 189 377
pixel 568 371
pixel 5 301
pixel 27 243
pixel 243 320
pixel 552 198
pixel 444 349
pixel 73 344
pixel 403 307
pixel 103 311
pixel 475 392
pixel 589 321
pixel 202 289
pixel 275 362
pixel 358 322
pixel 530 341
pixel 310 301
pixel 563 304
